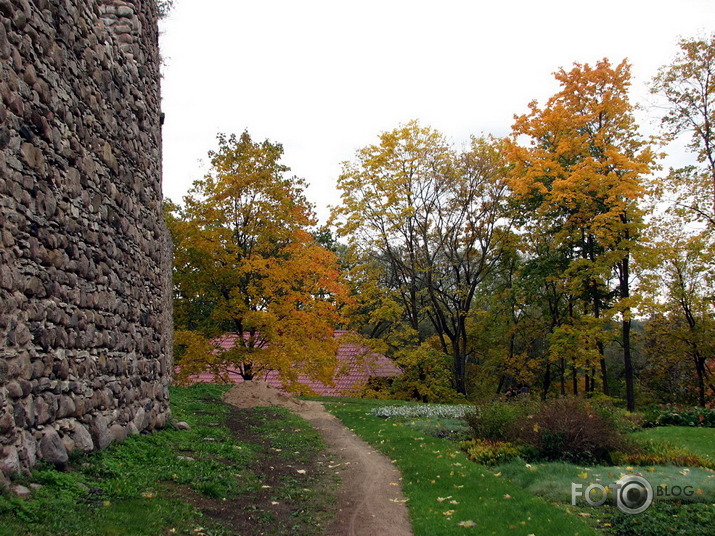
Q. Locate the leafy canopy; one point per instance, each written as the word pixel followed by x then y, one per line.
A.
pixel 246 262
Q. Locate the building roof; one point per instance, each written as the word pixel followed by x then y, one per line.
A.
pixel 356 364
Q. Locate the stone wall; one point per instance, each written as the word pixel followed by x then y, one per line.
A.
pixel 85 326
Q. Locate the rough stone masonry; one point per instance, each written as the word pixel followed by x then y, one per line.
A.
pixel 85 322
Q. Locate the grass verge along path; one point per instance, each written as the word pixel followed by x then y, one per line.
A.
pixel 235 472
pixel 448 494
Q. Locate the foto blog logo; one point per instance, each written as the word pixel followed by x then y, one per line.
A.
pixel 633 494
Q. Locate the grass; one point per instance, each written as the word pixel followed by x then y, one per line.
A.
pixel 699 440
pixel 260 472
pixel 539 494
pixel 447 494
pixel 230 468
pixel 553 480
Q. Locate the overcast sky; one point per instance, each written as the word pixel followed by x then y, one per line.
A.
pixel 324 78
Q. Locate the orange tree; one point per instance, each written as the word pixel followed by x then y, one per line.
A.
pixel 580 176
pixel 246 262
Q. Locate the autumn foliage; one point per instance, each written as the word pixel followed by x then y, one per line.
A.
pixel 557 261
pixel 246 262
pixel 580 177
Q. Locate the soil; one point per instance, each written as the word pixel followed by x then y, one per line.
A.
pixel 268 510
pixel 370 500
pixel 253 394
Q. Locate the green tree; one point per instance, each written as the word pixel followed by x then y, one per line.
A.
pixel 687 86
pixel 682 324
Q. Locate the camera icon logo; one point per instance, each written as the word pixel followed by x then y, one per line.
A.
pixel 634 494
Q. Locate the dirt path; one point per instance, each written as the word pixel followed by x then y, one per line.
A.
pixel 370 502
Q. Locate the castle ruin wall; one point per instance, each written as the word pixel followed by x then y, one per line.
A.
pixel 85 290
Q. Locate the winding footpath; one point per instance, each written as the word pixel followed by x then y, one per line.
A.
pixel 370 502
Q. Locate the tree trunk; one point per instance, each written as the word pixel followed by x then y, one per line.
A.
pixel 604 372
pixel 547 380
pixel 624 277
pixel 628 365
pixel 460 383
pixel 700 369
pixel 597 314
pixel 247 372
pixel 574 379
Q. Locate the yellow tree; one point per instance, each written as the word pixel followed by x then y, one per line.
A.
pixel 580 175
pixel 243 253
pixel 432 219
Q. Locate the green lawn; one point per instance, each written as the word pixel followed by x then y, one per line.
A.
pixel 527 498
pixel 448 494
pixel 699 440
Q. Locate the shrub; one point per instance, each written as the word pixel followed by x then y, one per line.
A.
pixel 624 421
pixel 498 420
pixel 670 415
pixel 426 376
pixel 491 452
pixel 570 429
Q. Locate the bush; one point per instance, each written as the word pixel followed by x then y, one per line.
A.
pixel 498 420
pixel 670 415
pixel 624 421
pixel 491 452
pixel 570 429
pixel 567 429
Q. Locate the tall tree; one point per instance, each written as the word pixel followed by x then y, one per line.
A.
pixel 581 175
pixel 246 262
pixel 433 217
pixel 688 88
pixel 681 285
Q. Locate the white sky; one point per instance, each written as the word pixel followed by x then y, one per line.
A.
pixel 324 78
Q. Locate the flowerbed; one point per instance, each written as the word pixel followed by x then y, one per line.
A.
pixel 411 411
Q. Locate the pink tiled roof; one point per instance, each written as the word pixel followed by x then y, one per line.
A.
pixel 355 366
